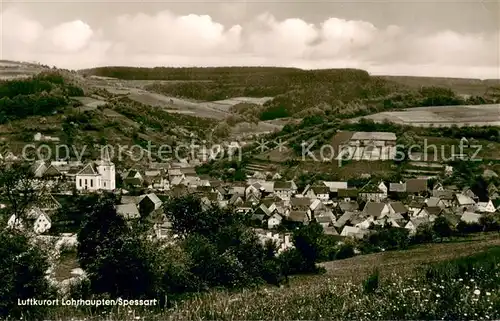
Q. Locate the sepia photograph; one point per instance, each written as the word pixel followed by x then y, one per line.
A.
pixel 249 160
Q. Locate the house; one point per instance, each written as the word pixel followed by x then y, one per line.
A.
pixel 253 191
pixel 344 219
pixel 416 186
pixel 274 221
pixel 347 194
pixel 397 188
pixel 149 203
pixel 470 218
pixel 372 193
pixel 363 222
pixel 285 189
pixel 263 209
pixel 464 202
pixel 325 221
pixel 447 196
pixel 376 210
pixel 351 231
pixel 175 174
pixel 369 146
pixel 244 208
pixel 37 219
pixel 485 207
pixel 343 207
pixel 430 213
pixel 435 202
pixel 38 168
pixel 320 192
pixel 469 193
pixel 236 200
pixel 47 203
pixel 156 180
pixel 133 178
pixel 95 176
pixel 298 217
pixel 397 208
pixel 335 186
pixel 414 223
pixel 415 206
pixel 128 211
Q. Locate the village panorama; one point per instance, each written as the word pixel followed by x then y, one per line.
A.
pixel 277 168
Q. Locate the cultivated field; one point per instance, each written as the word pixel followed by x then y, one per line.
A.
pixel 442 116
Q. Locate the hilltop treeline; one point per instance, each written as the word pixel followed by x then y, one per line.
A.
pixel 340 93
pixel 40 95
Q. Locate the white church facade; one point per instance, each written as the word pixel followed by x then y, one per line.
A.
pixel 96 176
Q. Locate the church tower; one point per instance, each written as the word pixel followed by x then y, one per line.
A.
pixel 106 169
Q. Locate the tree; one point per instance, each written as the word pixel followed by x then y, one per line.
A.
pixel 307 240
pixel 19 188
pixel 442 227
pixel 22 270
pixel 101 228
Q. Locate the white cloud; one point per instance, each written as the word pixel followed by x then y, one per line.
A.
pixel 71 36
pixel 170 40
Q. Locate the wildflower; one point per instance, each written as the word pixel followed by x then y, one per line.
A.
pixel 438 295
pixel 460 279
pixel 477 292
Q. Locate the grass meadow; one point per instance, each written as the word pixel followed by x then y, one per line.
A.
pixel 454 280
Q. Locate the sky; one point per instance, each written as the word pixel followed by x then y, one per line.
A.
pixel 439 38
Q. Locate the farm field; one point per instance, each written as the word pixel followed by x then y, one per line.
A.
pixel 442 116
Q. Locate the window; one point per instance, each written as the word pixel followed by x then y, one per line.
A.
pixel 104 184
pixel 91 183
pixel 80 182
pixel 85 182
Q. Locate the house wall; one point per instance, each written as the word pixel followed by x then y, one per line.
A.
pixel 88 182
pixel 41 225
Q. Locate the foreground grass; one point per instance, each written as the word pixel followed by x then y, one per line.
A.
pixel 455 280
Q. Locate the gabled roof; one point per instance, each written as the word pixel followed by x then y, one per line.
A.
pixel 128 211
pixel 48 202
pixel 320 189
pixel 348 206
pixel 153 198
pixel 464 200
pixel 88 170
pixel 434 210
pixel 374 208
pixel 371 188
pixel 298 216
pixel 470 217
pixel 335 186
pixel 397 187
pixel 302 202
pixel 445 194
pixel 281 185
pixel 52 171
pixel 398 207
pixel 348 192
pixel 416 185
pixel 341 221
pixel 262 209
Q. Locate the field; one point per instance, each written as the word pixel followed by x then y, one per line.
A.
pixel 401 290
pixel 445 116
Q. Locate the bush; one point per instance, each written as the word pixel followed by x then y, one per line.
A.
pixel 22 270
pixel 371 284
pixel 345 251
